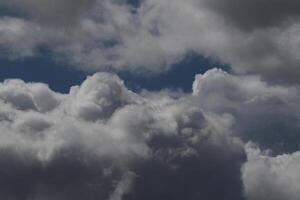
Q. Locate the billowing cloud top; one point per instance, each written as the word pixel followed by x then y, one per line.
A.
pixel 120 142
pixel 104 141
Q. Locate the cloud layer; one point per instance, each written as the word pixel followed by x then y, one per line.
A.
pixel 102 140
pixel 251 36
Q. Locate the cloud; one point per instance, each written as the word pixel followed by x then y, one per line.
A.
pixel 103 141
pixel 256 14
pixel 263 113
pixel 267 177
pixel 153 35
pixel 266 118
pixel 53 13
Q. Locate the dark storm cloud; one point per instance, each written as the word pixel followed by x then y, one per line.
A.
pixel 69 175
pixel 200 175
pixel 210 172
pixel 253 14
pixel 102 141
pixel 73 175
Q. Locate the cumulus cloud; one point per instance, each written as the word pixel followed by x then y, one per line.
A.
pixel 268 177
pixel 264 113
pixel 104 141
pixel 264 116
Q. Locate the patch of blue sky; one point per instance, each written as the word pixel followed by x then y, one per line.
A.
pixel 180 77
pixel 60 77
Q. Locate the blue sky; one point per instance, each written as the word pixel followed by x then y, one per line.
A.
pixel 60 76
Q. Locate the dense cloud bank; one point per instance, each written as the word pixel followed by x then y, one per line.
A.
pixel 257 36
pixel 103 141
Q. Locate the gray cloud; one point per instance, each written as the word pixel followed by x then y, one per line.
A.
pixel 156 34
pixel 54 13
pixel 253 14
pixel 268 117
pixel 263 113
pixel 103 141
pixel 267 177
pixel 69 175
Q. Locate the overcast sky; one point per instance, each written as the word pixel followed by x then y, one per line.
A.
pixel 149 100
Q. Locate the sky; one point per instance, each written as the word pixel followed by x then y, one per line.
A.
pixel 149 99
pixel 61 76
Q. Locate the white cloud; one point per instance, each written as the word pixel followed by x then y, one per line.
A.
pixel 131 142
pixel 262 113
pixel 265 113
pixel 102 121
pixel 267 177
pixel 113 34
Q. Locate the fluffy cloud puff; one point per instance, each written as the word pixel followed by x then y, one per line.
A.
pixel 267 116
pixel 250 36
pixel 269 177
pixel 102 141
pixel 264 113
